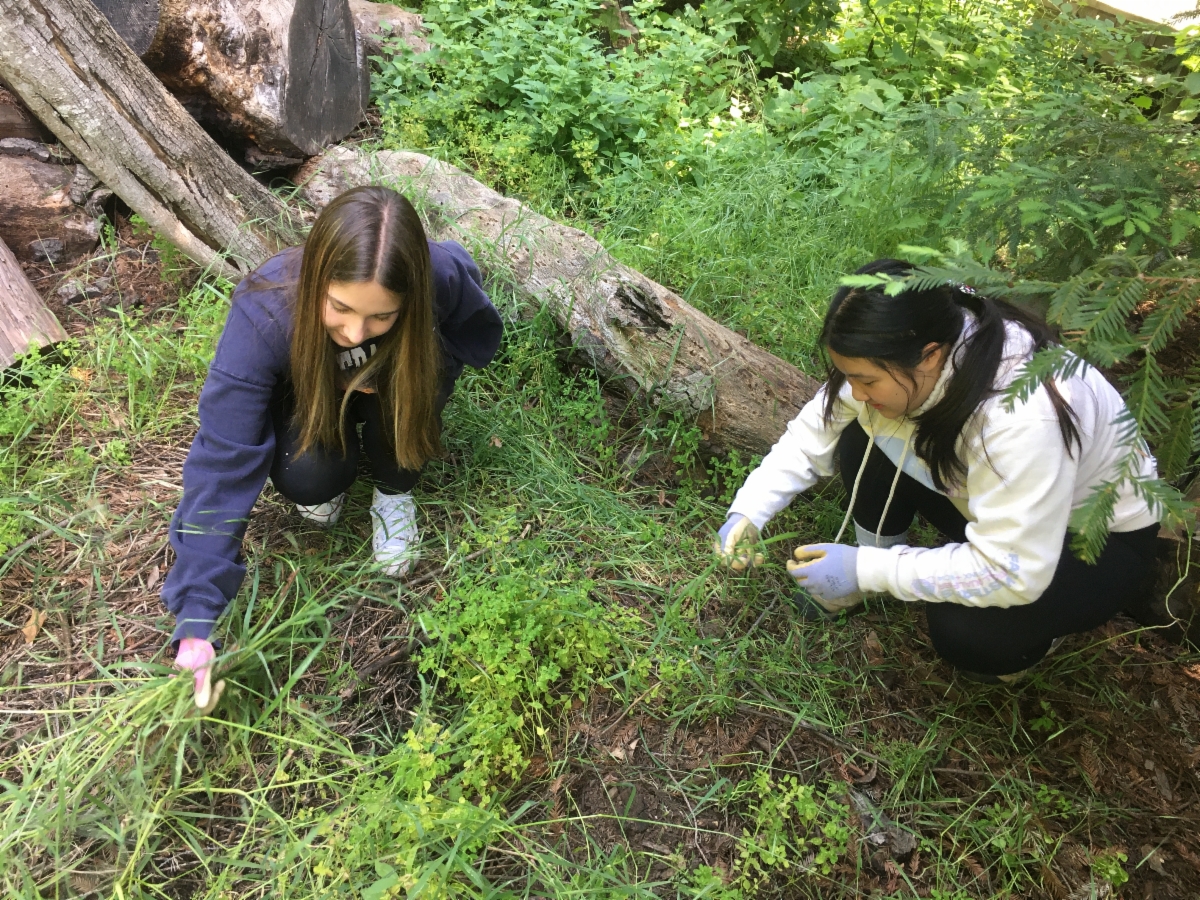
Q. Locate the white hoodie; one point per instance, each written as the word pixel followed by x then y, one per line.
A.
pixel 1020 489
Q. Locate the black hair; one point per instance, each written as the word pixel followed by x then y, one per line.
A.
pixel 893 331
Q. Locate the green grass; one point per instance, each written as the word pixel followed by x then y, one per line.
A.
pixel 759 244
pixel 583 652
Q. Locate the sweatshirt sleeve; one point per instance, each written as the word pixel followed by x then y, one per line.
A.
pixel 803 454
pixel 1020 486
pixel 470 325
pixel 223 475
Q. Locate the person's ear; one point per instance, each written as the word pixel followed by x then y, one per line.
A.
pixel 933 355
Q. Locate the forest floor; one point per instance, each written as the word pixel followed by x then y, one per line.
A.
pixel 644 725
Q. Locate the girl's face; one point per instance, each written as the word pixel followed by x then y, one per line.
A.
pixel 892 398
pixel 356 311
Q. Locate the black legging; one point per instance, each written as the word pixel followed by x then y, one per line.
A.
pixel 322 473
pixel 995 640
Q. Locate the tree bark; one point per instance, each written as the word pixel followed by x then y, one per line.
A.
pixel 36 208
pixel 285 75
pixel 26 323
pixel 631 329
pixel 72 70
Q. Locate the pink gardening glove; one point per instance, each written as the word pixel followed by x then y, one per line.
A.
pixel 197 655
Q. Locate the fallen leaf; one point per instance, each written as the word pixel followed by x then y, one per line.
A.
pixel 873 648
pixel 1164 784
pixel 1154 858
pixel 868 776
pixel 37 619
pixel 152 578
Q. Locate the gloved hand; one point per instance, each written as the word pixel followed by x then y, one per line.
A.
pixel 829 572
pixel 735 544
pixel 197 655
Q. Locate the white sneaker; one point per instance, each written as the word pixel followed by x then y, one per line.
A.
pixel 396 536
pixel 323 514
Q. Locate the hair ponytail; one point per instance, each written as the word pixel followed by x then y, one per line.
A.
pixel 893 331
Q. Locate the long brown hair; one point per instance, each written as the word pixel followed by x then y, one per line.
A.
pixel 369 234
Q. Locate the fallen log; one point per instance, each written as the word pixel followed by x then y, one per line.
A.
pixel 39 220
pixel 26 324
pixel 632 330
pixel 285 75
pixel 72 70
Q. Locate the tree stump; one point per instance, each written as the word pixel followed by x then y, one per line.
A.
pixel 285 75
pixel 74 72
pixel 26 324
pixel 633 331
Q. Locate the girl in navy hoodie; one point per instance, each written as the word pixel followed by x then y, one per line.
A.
pixel 369 324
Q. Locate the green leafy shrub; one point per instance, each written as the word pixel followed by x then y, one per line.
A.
pixel 513 78
pixel 514 648
pixel 788 826
pixel 402 836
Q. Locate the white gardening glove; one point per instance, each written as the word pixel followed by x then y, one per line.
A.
pixel 828 573
pixel 736 543
pixel 196 655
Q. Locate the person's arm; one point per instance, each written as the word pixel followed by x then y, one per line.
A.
pixel 222 477
pixel 469 324
pixel 1019 501
pixel 803 454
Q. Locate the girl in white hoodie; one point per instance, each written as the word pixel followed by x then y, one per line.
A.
pixel 914 413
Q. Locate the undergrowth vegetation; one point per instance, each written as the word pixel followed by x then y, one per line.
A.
pixel 568 699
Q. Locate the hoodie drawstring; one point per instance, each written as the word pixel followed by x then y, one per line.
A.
pixel 858 479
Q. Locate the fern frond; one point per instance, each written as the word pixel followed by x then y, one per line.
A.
pixel 1052 363
pixel 1148 396
pixel 1089 522
pixel 1178 444
pixel 1162 324
pixel 1065 301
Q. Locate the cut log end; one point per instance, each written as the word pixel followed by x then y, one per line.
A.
pixel 327 91
pixel 26 323
pixel 285 75
pixel 136 21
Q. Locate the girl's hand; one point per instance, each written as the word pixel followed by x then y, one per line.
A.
pixel 735 544
pixel 197 654
pixel 827 571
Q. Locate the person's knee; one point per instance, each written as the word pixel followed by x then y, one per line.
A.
pixel 313 477
pixel 972 639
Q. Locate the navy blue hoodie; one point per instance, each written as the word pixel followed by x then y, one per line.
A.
pixel 228 464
